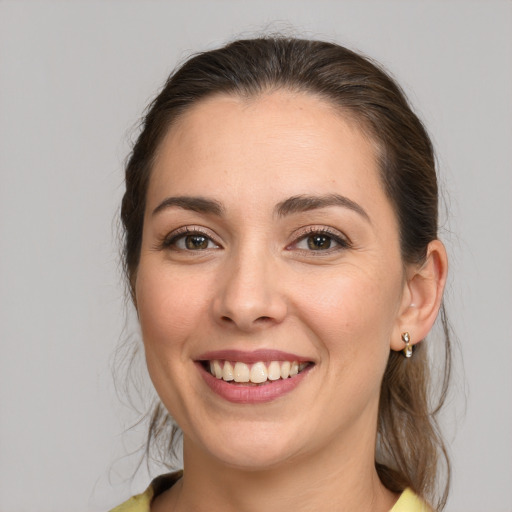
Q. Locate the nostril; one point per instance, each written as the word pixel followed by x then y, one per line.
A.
pixel 260 320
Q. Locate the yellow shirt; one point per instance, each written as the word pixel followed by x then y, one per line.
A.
pixel 408 501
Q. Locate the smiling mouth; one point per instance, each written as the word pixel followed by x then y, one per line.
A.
pixel 259 373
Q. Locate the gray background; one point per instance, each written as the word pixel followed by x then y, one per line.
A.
pixel 74 78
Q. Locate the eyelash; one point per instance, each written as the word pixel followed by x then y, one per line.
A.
pixel 171 239
pixel 341 241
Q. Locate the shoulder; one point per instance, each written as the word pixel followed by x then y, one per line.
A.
pixel 142 502
pixel 410 502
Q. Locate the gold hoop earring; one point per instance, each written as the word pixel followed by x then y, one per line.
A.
pixel 406 338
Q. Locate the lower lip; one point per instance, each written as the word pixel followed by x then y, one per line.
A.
pixel 243 394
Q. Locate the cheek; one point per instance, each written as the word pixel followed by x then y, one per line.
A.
pixel 350 311
pixel 170 310
pixel 170 307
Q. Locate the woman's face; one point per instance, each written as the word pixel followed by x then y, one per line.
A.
pixel 268 241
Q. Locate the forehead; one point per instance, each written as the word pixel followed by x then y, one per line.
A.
pixel 278 143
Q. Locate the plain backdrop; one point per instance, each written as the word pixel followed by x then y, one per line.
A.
pixel 74 79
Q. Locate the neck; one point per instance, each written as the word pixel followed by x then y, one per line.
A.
pixel 334 478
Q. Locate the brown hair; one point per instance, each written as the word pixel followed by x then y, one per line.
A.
pixel 410 448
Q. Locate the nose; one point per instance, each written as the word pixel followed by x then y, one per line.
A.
pixel 248 295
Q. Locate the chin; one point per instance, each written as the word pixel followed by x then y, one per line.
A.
pixel 256 459
pixel 248 451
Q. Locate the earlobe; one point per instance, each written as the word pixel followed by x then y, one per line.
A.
pixel 422 297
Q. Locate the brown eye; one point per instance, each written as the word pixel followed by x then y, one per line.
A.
pixel 190 241
pixel 319 242
pixel 196 242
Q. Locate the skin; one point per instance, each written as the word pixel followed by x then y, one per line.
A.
pixel 258 285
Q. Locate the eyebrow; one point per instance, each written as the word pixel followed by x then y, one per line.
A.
pixel 195 204
pixel 305 203
pixel 295 204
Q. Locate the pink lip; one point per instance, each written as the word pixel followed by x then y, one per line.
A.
pixel 250 394
pixel 251 357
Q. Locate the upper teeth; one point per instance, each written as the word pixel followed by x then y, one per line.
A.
pixel 257 373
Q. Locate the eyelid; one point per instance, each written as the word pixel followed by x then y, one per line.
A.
pixel 169 239
pixel 339 237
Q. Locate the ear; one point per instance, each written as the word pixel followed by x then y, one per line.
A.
pixel 422 296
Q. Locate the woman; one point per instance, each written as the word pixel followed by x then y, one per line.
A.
pixel 281 248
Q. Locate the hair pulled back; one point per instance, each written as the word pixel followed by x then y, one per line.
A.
pixel 410 449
